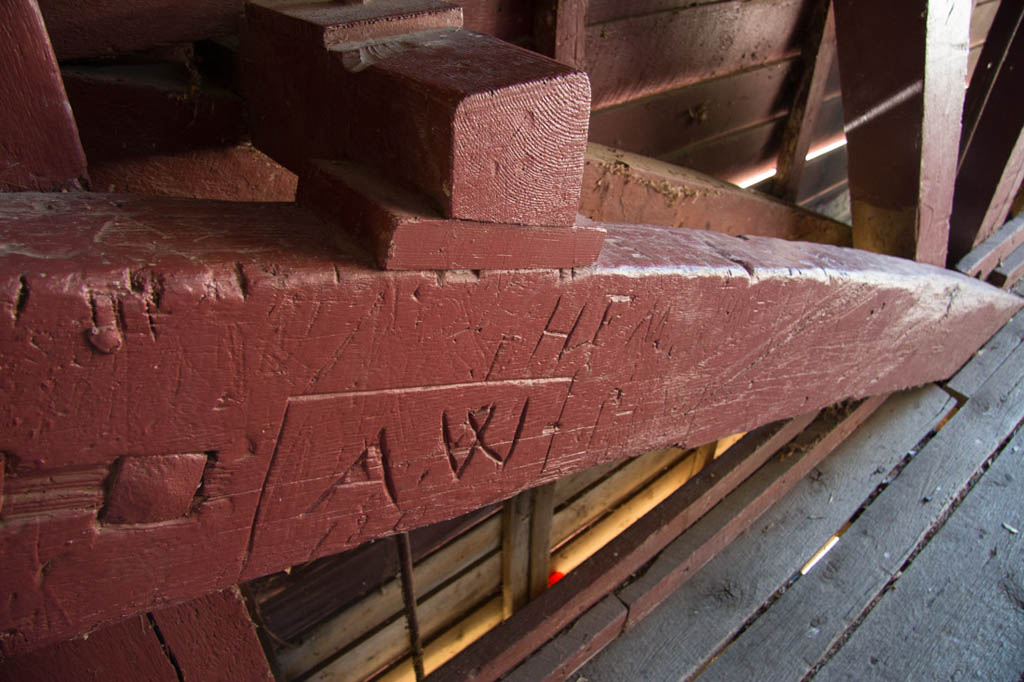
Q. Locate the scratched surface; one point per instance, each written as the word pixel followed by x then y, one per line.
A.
pixel 334 403
pixel 486 130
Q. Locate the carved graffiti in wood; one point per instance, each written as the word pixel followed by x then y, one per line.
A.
pixel 346 464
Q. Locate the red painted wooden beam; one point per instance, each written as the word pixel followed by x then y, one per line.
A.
pixel 39 145
pixel 330 403
pixel 903 68
pixel 620 187
pixel 487 131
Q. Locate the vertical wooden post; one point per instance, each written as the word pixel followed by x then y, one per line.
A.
pixel 561 30
pixel 903 67
pixel 541 514
pixel 818 53
pixel 515 553
pixel 991 163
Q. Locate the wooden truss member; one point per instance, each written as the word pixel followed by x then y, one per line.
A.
pixel 204 392
pixel 328 403
pixel 903 66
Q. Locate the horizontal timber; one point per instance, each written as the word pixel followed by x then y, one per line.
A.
pixel 629 188
pixel 336 404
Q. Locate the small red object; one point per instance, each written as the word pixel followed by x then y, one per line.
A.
pixel 555 577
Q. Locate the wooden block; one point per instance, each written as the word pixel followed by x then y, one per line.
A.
pixel 623 187
pixel 235 173
pixel 561 30
pixel 152 489
pixel 557 659
pixel 984 258
pixel 212 638
pixel 405 233
pixel 426 109
pixel 128 650
pixel 1009 270
pixel 285 344
pixel 39 145
pixel 132 110
pixel 903 74
pixel 991 164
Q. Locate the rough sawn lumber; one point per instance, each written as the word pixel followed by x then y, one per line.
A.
pixel 336 403
pixel 629 188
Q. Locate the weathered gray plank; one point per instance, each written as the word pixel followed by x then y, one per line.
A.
pixel 987 255
pixel 571 648
pixel 958 610
pixel 800 627
pixel 989 359
pixel 676 639
pixel 1010 270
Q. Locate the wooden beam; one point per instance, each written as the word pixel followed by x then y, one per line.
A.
pixel 696 43
pixel 991 164
pixel 317 439
pixel 39 145
pixel 817 56
pixel 404 232
pixel 903 71
pixel 629 188
pixel 212 638
pixel 378 77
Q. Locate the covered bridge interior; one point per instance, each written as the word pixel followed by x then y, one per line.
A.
pixel 412 339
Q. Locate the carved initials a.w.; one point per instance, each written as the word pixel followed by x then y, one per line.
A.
pixel 477 432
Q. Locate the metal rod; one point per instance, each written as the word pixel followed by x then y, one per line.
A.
pixel 409 596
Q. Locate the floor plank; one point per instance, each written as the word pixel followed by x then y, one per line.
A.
pixel 958 611
pixel 676 639
pixel 801 626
